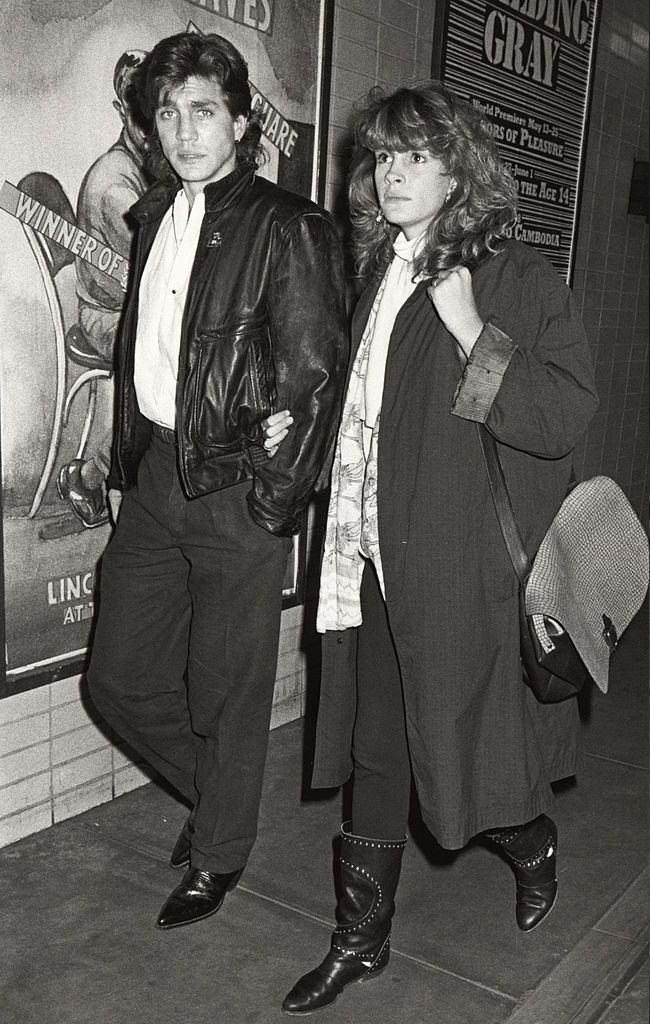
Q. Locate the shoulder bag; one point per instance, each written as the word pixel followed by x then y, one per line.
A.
pixel 585 585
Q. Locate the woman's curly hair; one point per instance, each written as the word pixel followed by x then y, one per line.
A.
pixel 481 208
pixel 177 58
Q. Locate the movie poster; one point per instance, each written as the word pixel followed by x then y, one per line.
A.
pixel 70 167
pixel 526 66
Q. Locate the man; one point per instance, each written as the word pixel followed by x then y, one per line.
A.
pixel 111 186
pixel 236 311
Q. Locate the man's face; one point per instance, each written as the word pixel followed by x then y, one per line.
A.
pixel 198 133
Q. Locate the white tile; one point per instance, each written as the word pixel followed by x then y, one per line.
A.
pixel 75 801
pixel 292 617
pixel 66 690
pixel 23 763
pixel 340 110
pixel 423 51
pixel 72 716
pixel 287 687
pixel 128 778
pixel 24 705
pixel 352 26
pixel 26 733
pixel 27 793
pixel 395 43
pixel 288 664
pixel 290 640
pixel 350 85
pixel 78 742
pixel 353 56
pixel 82 770
pixel 25 823
pixel 287 711
pixel 394 71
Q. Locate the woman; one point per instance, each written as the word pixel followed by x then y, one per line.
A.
pixel 418 600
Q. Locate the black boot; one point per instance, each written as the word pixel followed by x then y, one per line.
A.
pixel 531 850
pixel 369 873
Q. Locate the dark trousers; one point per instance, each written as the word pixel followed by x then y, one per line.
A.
pixel 382 767
pixel 185 651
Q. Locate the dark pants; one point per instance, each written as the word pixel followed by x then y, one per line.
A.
pixel 382 767
pixel 185 652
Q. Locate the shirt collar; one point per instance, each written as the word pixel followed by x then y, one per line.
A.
pixel 407 249
pixel 183 218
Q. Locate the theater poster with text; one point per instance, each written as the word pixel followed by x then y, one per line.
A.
pixel 64 164
pixel 526 65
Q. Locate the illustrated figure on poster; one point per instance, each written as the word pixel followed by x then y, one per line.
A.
pixel 111 186
pixel 236 310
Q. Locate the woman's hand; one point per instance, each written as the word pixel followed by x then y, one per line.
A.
pixel 276 428
pixel 452 296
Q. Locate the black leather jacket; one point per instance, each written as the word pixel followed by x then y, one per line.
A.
pixel 264 329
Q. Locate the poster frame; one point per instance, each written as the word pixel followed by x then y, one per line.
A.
pixel 438 66
pixel 71 663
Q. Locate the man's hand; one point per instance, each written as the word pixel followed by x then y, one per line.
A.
pixel 114 501
pixel 452 296
pixel 276 428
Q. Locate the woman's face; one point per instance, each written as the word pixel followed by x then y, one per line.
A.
pixel 411 188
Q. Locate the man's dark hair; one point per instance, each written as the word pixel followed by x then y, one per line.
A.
pixel 189 54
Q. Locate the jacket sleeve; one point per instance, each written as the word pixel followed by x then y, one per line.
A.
pixel 529 377
pixel 309 339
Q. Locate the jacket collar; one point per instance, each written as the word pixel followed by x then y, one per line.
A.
pixel 218 194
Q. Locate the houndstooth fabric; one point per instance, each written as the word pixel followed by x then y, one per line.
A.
pixel 592 562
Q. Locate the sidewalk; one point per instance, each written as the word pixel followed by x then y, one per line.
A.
pixel 78 902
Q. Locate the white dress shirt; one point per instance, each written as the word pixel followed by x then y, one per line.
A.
pixel 163 291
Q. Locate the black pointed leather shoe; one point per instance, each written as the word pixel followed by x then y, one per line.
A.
pixel 199 895
pixel 180 857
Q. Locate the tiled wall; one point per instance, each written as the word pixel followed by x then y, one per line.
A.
pixel 611 267
pixel 55 760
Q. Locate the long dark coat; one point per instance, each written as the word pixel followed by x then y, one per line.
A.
pixel 483 750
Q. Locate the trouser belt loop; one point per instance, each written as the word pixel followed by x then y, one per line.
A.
pixel 165 434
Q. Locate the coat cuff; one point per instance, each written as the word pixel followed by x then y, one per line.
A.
pixel 483 374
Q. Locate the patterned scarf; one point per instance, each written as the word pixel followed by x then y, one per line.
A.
pixel 352 533
pixel 353 502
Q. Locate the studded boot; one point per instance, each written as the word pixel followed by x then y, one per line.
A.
pixel 530 850
pixel 369 871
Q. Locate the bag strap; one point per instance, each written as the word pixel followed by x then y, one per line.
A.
pixel 502 504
